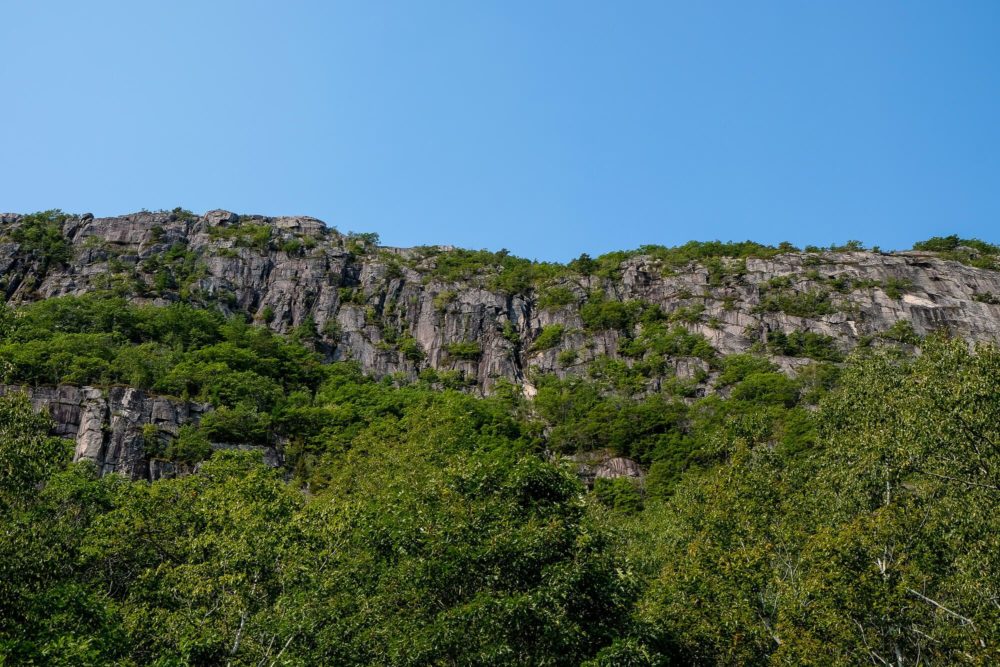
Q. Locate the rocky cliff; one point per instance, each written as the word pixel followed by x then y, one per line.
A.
pixel 116 428
pixel 404 311
pixel 364 300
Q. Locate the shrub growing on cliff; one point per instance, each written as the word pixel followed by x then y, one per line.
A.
pixel 468 350
pixel 556 297
pixel 410 349
pixel 550 336
pixel 804 344
pixel 798 304
pixel 40 235
pixel 567 358
pixel 189 446
pixel 600 313
pixel 901 332
pixel 973 252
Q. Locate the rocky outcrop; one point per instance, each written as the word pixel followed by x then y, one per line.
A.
pixel 112 427
pixel 603 464
pixel 396 311
pixel 364 300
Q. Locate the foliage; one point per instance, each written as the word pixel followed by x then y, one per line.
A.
pixel 737 367
pixel 424 549
pixel 410 349
pixel 814 303
pixel 567 357
pixel 950 243
pixel 443 299
pixel 27 454
pixel 804 344
pixel 555 297
pixel 658 342
pixel 968 251
pixel 468 350
pixel 621 494
pixel 497 270
pixel 894 287
pixel 865 528
pixel 244 234
pixel 844 515
pixel 514 275
pixel 987 297
pixel 549 337
pixel 901 331
pixel 600 313
pixel 40 235
pixel 179 350
pixel 190 446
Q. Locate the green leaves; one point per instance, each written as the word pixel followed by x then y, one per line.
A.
pixel 461 559
pixel 28 455
pixel 848 515
pixel 878 545
pixel 40 235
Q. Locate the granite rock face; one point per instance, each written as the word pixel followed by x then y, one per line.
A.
pixel 391 310
pixel 111 427
pixel 362 299
pixel 603 464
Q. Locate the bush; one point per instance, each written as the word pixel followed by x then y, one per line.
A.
pixel 410 349
pixel 621 494
pixel 190 446
pixel 40 235
pixel 894 287
pixel 555 297
pixel 986 297
pixel 465 350
pixel 767 389
pixel 567 358
pixel 736 367
pixel 901 332
pixel 549 337
pixel 241 424
pixel 601 314
pixel 973 252
pixel 797 304
pixel 804 344
pixel 658 340
pixel 443 299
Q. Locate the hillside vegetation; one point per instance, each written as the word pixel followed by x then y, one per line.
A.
pixel 842 510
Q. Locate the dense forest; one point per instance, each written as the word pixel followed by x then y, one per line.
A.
pixel 846 513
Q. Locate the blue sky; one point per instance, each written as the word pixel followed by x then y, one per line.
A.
pixel 548 128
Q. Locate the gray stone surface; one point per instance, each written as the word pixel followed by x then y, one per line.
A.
pixel 361 299
pixel 107 426
pixel 308 280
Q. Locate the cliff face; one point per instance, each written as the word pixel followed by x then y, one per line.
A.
pixel 394 312
pixel 288 271
pixel 111 427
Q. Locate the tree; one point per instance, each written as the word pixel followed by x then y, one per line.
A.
pixel 28 454
pixel 48 613
pixel 424 551
pixel 879 545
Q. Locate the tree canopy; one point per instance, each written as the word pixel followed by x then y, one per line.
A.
pixel 849 514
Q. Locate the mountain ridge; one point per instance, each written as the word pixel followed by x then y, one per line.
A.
pixel 396 313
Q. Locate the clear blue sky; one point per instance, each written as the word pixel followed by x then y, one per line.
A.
pixel 549 128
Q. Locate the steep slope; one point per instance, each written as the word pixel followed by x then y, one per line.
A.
pixel 396 311
pixel 468 319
